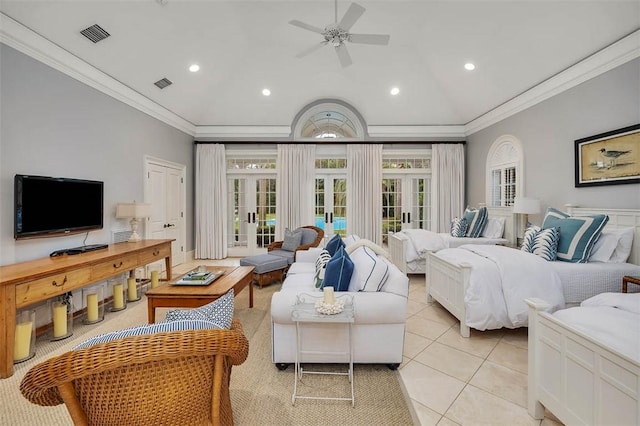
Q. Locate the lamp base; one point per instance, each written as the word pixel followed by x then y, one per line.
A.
pixel 134 237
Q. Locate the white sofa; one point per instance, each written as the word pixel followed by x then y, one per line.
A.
pixel 378 330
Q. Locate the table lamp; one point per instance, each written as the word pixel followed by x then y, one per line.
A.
pixel 133 211
pixel 524 207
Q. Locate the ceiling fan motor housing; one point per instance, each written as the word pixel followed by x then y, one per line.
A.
pixel 335 35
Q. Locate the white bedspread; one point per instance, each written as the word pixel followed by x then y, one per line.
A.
pixel 612 319
pixel 501 278
pixel 422 241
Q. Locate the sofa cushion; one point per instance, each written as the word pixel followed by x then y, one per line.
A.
pixel 220 311
pixel 370 271
pixel 138 330
pixel 578 234
pixel 291 239
pixel 284 254
pixel 397 282
pixel 334 244
pixel 308 236
pixel 338 271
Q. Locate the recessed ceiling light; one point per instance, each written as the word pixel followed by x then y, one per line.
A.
pixel 194 68
pixel 469 66
pixel 395 91
pixel 266 92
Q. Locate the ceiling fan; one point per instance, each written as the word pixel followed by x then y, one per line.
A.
pixel 337 33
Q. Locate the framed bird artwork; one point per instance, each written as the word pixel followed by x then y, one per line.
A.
pixel 609 158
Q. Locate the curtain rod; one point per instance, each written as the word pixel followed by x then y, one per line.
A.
pixel 332 142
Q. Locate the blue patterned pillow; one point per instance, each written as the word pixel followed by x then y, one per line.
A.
pixel 529 237
pixel 139 330
pixel 338 272
pixel 542 242
pixel 578 234
pixel 459 227
pixel 321 264
pixel 334 244
pixel 476 221
pixel 219 312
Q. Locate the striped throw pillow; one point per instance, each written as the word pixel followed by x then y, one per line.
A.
pixel 459 227
pixel 578 234
pixel 321 264
pixel 476 220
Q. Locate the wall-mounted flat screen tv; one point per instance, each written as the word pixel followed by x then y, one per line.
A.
pixel 52 206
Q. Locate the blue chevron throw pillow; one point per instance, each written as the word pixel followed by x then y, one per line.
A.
pixel 459 227
pixel 544 242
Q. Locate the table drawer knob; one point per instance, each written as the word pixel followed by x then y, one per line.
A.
pixel 55 283
pixel 156 252
pixel 116 266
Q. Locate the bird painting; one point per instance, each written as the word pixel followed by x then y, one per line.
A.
pixel 613 155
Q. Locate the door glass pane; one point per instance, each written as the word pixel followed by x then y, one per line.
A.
pixel 236 202
pixel 391 207
pixel 265 212
pixel 421 204
pixel 320 207
pixel 340 206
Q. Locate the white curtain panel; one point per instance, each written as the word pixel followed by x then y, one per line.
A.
pixel 295 186
pixel 364 191
pixel 211 202
pixel 447 184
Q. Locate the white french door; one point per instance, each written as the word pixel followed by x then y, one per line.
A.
pixel 331 204
pixel 405 203
pixel 164 190
pixel 251 201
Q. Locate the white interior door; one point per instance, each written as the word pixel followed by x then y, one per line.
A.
pixel 164 190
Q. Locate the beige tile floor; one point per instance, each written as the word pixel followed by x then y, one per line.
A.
pixel 451 380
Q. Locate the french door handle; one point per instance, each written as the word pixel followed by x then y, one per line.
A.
pixel 326 217
pixel 248 217
pixel 254 217
pixel 409 217
pixel 403 217
pixel 331 217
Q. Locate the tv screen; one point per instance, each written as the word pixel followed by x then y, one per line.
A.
pixel 49 206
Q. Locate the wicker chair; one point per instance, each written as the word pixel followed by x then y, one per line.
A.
pixel 320 235
pixel 175 378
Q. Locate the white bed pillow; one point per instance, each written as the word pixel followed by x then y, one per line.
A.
pixel 623 249
pixel 494 228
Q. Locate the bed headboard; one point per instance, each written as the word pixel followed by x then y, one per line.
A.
pixel 618 218
pixel 509 224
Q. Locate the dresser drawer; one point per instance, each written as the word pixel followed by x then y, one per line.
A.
pixel 34 291
pixel 104 270
pixel 153 254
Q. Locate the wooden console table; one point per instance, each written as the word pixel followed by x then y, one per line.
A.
pixel 23 284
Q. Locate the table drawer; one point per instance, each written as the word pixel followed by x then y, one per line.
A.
pixel 34 291
pixel 154 253
pixel 104 270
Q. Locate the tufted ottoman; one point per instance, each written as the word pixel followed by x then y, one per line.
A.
pixel 267 267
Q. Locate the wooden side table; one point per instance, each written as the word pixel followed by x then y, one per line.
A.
pixel 628 279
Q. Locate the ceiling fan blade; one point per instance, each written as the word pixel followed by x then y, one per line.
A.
pixel 309 27
pixel 343 55
pixel 380 39
pixel 354 13
pixel 311 49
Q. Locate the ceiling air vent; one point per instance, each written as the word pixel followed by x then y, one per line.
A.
pixel 95 33
pixel 162 83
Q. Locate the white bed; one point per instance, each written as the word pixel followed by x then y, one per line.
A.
pixel 448 281
pixel 408 249
pixel 584 363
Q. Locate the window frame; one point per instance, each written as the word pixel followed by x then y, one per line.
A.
pixel 504 154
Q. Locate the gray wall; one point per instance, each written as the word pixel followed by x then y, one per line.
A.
pixel 548 131
pixel 53 125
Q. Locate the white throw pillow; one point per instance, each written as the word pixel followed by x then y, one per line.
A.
pixel 494 228
pixel 369 271
pixel 623 249
pixel 603 248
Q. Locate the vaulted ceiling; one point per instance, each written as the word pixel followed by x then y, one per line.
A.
pixel 243 47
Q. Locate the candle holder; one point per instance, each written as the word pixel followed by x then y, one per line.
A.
pixel 61 309
pixel 24 347
pixel 119 294
pixel 133 295
pixel 93 297
pixel 155 279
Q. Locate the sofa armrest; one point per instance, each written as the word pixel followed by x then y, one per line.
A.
pixel 309 255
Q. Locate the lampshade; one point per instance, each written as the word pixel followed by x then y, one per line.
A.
pixel 526 205
pixel 133 210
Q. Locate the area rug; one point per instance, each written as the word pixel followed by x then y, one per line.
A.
pixel 261 394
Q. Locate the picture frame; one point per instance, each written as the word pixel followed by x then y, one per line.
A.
pixel 610 158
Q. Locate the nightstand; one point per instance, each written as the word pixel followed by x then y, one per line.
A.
pixel 628 279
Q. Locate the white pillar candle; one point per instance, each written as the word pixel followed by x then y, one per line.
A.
pixel 59 319
pixel 22 341
pixel 118 298
pixel 92 307
pixel 329 297
pixel 154 279
pixel 132 293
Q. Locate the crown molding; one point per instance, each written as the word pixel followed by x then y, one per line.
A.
pixel 620 52
pixel 416 131
pixel 21 38
pixel 242 132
